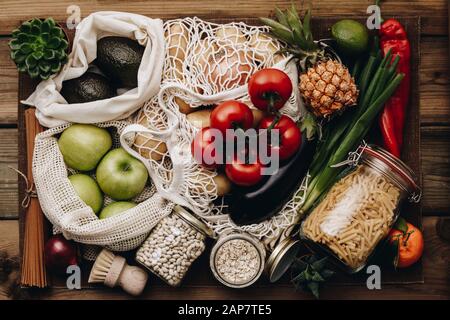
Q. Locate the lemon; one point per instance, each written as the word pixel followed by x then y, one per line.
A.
pixel 351 36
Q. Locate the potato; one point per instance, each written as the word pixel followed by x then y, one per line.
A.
pixel 199 119
pixel 230 68
pixel 183 106
pixel 204 51
pixel 147 146
pixel 264 47
pixel 257 117
pixel 177 40
pixel 231 33
pixel 220 182
pixel 223 184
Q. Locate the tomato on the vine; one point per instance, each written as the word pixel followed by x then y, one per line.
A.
pixel 290 136
pixel 410 245
pixel 269 89
pixel 205 149
pixel 243 172
pixel 231 115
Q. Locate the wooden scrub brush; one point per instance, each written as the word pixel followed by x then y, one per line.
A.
pixel 113 271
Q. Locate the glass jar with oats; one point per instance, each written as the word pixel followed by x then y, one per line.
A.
pixel 360 208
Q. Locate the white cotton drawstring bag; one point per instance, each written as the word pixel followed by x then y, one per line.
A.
pixel 51 107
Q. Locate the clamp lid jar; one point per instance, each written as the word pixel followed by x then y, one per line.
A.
pixel 360 208
pixel 173 245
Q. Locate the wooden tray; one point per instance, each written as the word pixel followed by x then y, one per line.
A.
pixel 200 275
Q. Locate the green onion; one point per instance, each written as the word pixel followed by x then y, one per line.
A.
pixel 327 148
pixel 393 68
pixel 366 74
pixel 356 70
pixel 362 126
pixel 367 96
pixel 386 77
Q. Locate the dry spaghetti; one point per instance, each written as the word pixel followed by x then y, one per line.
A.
pixel 33 266
pixel 354 216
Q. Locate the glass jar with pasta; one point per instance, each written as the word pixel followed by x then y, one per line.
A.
pixel 360 208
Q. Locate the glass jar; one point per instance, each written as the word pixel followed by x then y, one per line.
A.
pixel 173 245
pixel 237 259
pixel 360 208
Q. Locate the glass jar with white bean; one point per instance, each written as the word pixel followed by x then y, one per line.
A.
pixel 173 245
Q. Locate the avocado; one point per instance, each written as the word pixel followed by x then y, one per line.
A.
pixel 89 87
pixel 119 58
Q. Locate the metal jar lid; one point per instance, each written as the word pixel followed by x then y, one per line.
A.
pixel 393 168
pixel 193 221
pixel 282 257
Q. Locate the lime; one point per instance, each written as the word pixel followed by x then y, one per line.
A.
pixel 351 36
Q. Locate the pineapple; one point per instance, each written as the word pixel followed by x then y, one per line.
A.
pixel 325 84
pixel 327 87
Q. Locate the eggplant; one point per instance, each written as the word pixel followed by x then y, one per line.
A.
pixel 248 205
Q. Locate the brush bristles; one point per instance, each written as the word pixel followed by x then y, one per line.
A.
pixel 101 266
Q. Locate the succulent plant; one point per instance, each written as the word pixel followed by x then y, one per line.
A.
pixel 38 47
pixel 309 272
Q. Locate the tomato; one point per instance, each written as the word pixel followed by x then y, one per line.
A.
pixel 231 115
pixel 290 135
pixel 269 89
pixel 410 245
pixel 204 148
pixel 243 173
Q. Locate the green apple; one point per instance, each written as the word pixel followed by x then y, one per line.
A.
pixel 88 190
pixel 116 207
pixel 83 146
pixel 120 175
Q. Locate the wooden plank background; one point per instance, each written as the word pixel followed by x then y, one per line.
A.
pixel 435 128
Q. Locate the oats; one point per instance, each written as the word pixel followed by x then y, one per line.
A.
pixel 237 261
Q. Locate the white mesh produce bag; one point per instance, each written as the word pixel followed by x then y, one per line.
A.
pixel 71 216
pixel 205 64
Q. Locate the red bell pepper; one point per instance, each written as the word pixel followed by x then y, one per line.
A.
pixel 392 120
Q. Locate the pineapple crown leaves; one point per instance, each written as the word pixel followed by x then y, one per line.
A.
pixel 296 34
pixel 38 47
pixel 309 272
pixel 310 125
